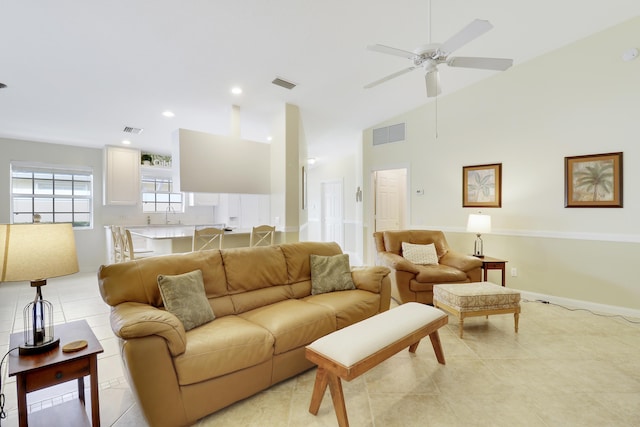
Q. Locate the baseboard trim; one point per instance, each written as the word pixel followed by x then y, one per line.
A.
pixel 587 305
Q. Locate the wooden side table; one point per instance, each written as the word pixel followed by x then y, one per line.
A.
pixel 489 263
pixel 38 371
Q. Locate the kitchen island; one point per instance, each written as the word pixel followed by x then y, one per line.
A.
pixel 176 238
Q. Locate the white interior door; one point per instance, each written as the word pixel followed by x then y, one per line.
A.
pixel 390 199
pixel 332 217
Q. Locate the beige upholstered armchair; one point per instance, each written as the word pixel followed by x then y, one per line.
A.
pixel 414 282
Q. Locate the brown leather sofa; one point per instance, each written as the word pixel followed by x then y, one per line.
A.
pixel 412 282
pixel 264 312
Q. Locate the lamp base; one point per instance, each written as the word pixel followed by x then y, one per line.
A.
pixel 27 349
pixel 477 247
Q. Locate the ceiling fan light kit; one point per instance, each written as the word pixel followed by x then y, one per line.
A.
pixel 428 57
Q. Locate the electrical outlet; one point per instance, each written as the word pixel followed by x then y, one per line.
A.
pixel 514 272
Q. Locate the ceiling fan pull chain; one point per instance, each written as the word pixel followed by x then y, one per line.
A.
pixel 429 2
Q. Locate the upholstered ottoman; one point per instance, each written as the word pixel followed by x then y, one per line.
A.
pixel 476 299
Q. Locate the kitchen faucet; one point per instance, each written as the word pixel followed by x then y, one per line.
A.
pixel 166 214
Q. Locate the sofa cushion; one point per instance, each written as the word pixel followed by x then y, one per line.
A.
pixel 293 323
pixel 248 269
pixel 226 345
pixel 349 306
pixel 330 273
pixel 440 273
pixel 420 254
pixel 393 240
pixel 297 257
pixel 183 295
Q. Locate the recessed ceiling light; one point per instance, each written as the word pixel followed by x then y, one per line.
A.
pixel 269 138
pixel 236 90
pixel 168 114
pixel 126 142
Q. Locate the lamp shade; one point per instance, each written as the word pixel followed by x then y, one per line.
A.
pixel 30 252
pixel 479 223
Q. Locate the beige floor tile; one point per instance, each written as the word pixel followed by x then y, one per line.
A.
pixel 264 409
pixel 409 410
pixel 505 408
pixel 575 409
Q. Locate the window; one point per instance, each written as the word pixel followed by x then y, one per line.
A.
pixel 157 195
pixel 57 194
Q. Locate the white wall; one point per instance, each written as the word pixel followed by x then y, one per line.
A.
pixel 581 99
pixel 220 164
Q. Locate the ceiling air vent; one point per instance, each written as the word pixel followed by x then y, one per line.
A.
pixel 387 134
pixel 135 131
pixel 283 83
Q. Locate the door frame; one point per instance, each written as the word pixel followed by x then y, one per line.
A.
pixel 370 207
pixel 322 210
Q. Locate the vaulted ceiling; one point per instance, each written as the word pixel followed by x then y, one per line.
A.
pixel 78 72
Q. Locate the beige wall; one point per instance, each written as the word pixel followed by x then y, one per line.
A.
pixel 89 242
pixel 581 99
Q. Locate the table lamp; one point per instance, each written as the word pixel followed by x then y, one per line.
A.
pixel 35 252
pixel 479 224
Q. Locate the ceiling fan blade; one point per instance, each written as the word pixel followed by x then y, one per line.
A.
pixel 391 51
pixel 389 77
pixel 432 79
pixel 475 29
pixel 498 64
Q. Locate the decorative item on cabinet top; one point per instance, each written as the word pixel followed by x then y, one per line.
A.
pixel 155 160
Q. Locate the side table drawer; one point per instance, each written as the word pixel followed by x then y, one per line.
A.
pixel 57 374
pixel 494 265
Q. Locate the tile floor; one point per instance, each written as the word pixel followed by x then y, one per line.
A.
pixel 564 368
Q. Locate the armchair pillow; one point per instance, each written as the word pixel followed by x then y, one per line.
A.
pixel 184 296
pixel 330 273
pixel 420 254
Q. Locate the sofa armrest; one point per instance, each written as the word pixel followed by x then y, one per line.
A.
pixel 131 320
pixel 397 262
pixel 369 278
pixel 461 261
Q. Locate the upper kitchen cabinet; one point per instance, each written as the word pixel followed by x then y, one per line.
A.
pixel 204 199
pixel 121 176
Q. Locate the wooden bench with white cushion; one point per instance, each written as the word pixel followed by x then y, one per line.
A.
pixel 352 351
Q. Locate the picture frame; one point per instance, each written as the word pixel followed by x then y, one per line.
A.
pixel 593 181
pixel 482 186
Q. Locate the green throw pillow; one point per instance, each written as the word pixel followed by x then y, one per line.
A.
pixel 330 273
pixel 184 296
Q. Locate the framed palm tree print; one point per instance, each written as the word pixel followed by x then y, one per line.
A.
pixel 482 186
pixel 593 181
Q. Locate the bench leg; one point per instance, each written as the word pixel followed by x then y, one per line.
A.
pixel 319 388
pixel 460 326
pixel 413 347
pixel 324 378
pixel 335 386
pixel 437 346
pixel 516 317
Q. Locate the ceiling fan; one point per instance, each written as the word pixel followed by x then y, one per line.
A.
pixel 430 56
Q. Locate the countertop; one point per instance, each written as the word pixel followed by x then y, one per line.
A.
pixel 174 231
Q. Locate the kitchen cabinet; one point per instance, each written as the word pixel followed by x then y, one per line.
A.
pixel 204 199
pixel 234 206
pixel 121 176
